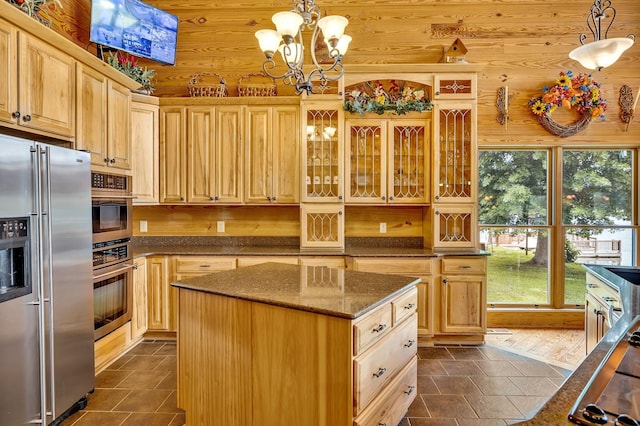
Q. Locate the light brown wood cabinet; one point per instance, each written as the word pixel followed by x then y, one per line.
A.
pixel 388 160
pixel 103 120
pixel 599 296
pixel 159 294
pixel 214 154
pixel 413 267
pixel 145 134
pixel 288 349
pixel 37 88
pixel 173 154
pixel 139 312
pixel 454 211
pixel 272 160
pixel 462 296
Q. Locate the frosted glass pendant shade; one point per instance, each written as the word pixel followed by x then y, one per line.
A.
pixel 341 47
pixel 292 53
pixel 333 26
pixel 269 40
pixel 602 53
pixel 287 23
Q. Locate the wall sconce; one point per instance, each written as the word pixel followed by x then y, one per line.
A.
pixel 601 52
pixel 627 109
pixel 502 103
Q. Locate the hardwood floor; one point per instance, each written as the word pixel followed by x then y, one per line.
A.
pixel 563 348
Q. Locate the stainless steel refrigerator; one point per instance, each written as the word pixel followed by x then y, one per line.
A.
pixel 46 288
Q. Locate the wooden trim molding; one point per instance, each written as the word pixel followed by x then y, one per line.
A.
pixel 535 318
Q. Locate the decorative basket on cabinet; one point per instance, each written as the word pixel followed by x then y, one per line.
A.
pixel 253 87
pixel 200 85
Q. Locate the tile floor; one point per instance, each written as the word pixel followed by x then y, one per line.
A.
pixel 456 386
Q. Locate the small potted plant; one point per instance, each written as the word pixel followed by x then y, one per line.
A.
pixel 128 65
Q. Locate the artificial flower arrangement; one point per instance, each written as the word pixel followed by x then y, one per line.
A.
pixel 128 65
pixel 398 97
pixel 34 9
pixel 570 91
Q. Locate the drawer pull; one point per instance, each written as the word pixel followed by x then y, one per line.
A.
pixel 464 267
pixel 380 372
pixel 409 343
pixel 409 390
pixel 379 328
pixel 589 285
pixel 205 266
pixel 382 424
pixel 410 306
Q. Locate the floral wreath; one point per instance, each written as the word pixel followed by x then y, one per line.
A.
pixel 569 91
pixel 398 97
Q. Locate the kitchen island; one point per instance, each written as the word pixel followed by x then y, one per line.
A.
pixel 277 344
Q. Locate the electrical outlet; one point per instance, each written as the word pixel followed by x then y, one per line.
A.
pixel 221 226
pixel 143 226
pixel 383 228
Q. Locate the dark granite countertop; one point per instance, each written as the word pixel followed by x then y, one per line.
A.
pixel 318 289
pixel 555 411
pixel 227 246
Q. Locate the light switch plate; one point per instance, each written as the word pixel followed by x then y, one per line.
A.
pixel 221 226
pixel 383 227
pixel 143 226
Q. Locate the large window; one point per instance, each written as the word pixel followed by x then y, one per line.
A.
pixel 540 226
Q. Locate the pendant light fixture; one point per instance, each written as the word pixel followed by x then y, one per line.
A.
pixel 287 39
pixel 602 52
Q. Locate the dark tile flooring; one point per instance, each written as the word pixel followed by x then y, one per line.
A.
pixel 456 386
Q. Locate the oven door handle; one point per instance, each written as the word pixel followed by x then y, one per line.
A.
pixel 114 272
pixel 115 196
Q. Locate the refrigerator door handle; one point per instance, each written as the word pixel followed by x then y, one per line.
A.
pixel 47 288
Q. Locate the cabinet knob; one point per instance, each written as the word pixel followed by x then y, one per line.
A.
pixel 216 198
pixel 409 390
pixel 384 198
pixel 211 198
pixel 445 281
pixel 16 114
pixel 181 198
pixel 112 161
pixel 268 198
pixel 380 372
pixel 409 343
pixel 437 93
pixel 591 285
pixel 273 199
pixel 106 160
pixel 410 306
pixel 27 117
pixel 391 198
pixel 437 212
pixel 437 197
pixel 379 328
pixel 339 197
pixel 340 213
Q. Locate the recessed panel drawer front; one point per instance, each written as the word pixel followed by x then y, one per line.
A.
pixel 392 403
pixel 377 366
pixel 400 266
pixel 464 265
pixel 372 327
pixel 404 306
pixel 204 264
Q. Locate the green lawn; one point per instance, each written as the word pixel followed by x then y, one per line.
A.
pixel 511 279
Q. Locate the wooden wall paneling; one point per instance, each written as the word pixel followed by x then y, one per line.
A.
pixel 364 221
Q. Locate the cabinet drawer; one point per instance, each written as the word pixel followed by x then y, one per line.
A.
pixel 377 366
pixel 204 264
pixel 393 402
pixel 404 306
pixel 372 327
pixel 400 266
pixel 464 265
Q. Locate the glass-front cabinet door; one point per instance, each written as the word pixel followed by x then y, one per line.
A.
pixel 455 153
pixel 366 164
pixel 322 158
pixel 408 165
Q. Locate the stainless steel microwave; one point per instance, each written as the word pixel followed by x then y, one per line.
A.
pixel 111 207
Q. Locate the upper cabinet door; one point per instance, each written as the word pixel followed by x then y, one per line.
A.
pixel 119 126
pixel 8 72
pixel 46 87
pixel 455 163
pixel 409 159
pixel 286 155
pixel 201 154
pixel 228 154
pixel 322 152
pixel 91 108
pixel 258 165
pixel 366 168
pixel 173 155
pixel 145 133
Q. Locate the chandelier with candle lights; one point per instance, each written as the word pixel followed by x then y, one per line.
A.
pixel 287 39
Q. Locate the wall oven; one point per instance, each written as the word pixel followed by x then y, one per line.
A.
pixel 111 213
pixel 111 207
pixel 112 286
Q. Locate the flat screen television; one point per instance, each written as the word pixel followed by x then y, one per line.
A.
pixel 135 27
